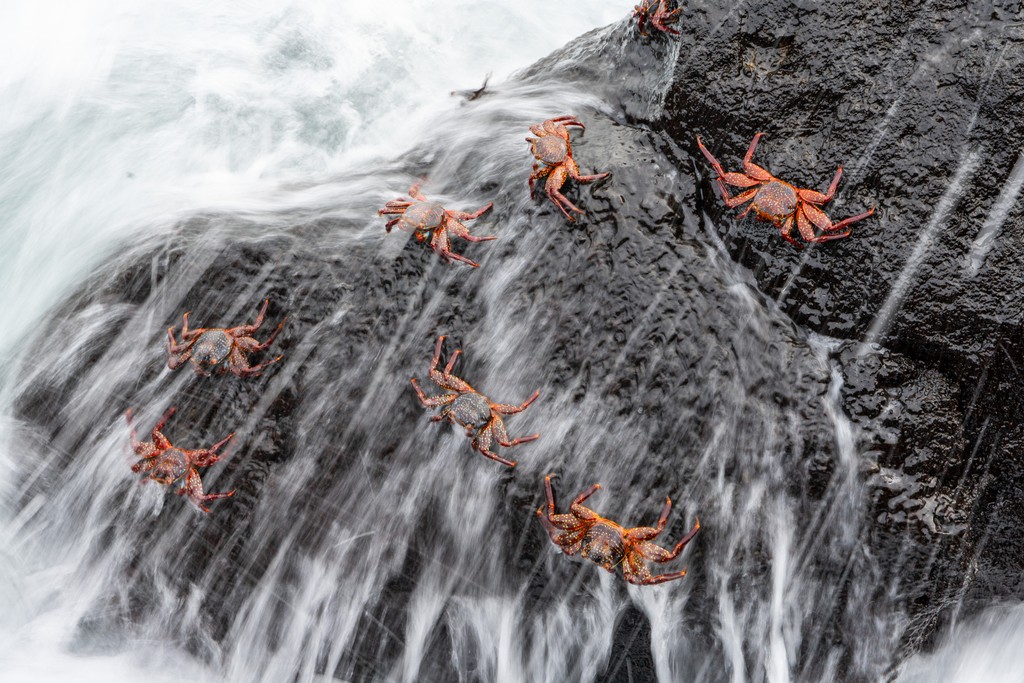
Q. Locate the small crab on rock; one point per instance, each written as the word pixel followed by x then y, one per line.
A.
pixel 472 410
pixel 657 12
pixel 552 149
pixel 209 347
pixel 424 218
pixel 603 541
pixel 166 464
pixel 780 203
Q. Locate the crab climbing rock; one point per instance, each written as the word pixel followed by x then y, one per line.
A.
pixel 210 347
pixel 780 203
pixel 424 218
pixel 472 410
pixel 553 151
pixel 166 464
pixel 658 13
pixel 582 531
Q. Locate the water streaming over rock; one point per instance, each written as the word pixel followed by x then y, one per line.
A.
pixel 364 542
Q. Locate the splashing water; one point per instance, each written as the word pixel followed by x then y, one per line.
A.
pixel 120 119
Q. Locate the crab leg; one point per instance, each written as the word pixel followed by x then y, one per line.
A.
pixel 188 335
pixel 137 446
pixel 442 246
pixel 516 442
pixel 437 353
pixel 498 427
pixel 173 346
pixel 574 173
pixel 255 370
pixel 654 580
pixel 451 361
pixel 432 401
pixel 193 488
pixel 251 345
pixel 463 216
pixel 647 533
pixel 239 364
pixel 742 197
pixel 460 230
pixel 818 217
pixel 482 443
pixel 163 420
pixel 415 193
pixel 538 173
pixel 736 179
pixel 807 230
pixel 787 233
pixel 567 120
pixel 176 362
pixel 552 522
pixel 550 494
pixel 243 330
pixel 586 494
pixel 819 198
pixel 396 206
pixel 508 409
pixel 554 183
pixel 656 553
pixel 494 456
pixel 208 456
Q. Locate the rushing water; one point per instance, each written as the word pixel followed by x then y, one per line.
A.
pixel 170 145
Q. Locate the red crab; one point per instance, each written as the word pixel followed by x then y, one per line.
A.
pixel 480 417
pixel 422 217
pixel 165 464
pixel 552 149
pixel 209 347
pixel 657 12
pixel 603 541
pixel 779 202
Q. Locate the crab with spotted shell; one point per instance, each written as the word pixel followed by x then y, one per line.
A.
pixel 465 407
pixel 582 531
pixel 553 150
pixel 424 218
pixel 780 203
pixel 209 347
pixel 166 464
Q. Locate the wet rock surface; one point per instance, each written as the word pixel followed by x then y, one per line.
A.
pixel 678 351
pixel 918 103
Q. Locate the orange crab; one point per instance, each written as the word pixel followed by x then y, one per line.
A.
pixel 208 348
pixel 422 217
pixel 657 12
pixel 552 149
pixel 603 541
pixel 472 410
pixel 166 464
pixel 779 202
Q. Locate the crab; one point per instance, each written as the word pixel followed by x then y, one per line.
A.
pixel 166 464
pixel 657 12
pixel 424 218
pixel 603 541
pixel 779 202
pixel 466 407
pixel 209 347
pixel 552 149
